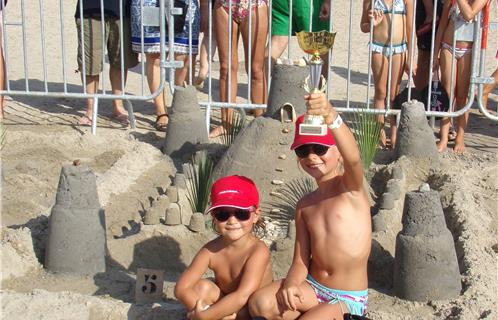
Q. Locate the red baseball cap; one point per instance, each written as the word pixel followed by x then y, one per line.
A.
pixel 234 191
pixel 299 140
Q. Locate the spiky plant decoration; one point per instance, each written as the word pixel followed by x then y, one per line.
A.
pixel 287 198
pixel 199 183
pixel 233 127
pixel 366 130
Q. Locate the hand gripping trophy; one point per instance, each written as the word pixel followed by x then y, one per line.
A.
pixel 316 44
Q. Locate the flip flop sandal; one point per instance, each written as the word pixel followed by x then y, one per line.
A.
pixel 161 126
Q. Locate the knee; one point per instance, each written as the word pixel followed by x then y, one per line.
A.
pixel 260 305
pixel 224 70
pixel 257 72
pixel 380 93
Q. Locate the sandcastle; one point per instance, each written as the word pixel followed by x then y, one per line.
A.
pixel 76 238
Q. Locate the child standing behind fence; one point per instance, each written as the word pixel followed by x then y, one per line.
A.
pixel 381 13
pixel 328 275
pixel 457 19
pixel 240 11
pixel 240 261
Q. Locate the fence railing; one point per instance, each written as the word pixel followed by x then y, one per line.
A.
pixel 56 39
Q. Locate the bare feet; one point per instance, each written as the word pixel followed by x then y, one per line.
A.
pixel 121 118
pixel 459 144
pixel 218 131
pixel 85 121
pixel 161 123
pixel 442 145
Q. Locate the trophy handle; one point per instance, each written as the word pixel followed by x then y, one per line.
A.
pixel 322 87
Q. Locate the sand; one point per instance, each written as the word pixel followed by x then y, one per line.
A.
pixel 132 174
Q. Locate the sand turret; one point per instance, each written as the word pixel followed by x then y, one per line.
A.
pixel 415 136
pixel 76 236
pixel 426 266
pixel 287 87
pixel 187 125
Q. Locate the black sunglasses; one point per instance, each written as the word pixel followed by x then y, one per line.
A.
pixel 224 215
pixel 304 150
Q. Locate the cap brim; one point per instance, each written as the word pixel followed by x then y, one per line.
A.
pixel 229 206
pixel 302 144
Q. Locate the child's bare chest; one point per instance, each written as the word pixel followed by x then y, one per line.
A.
pixel 228 269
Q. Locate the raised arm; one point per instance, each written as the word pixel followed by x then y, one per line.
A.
pixel 469 11
pixel 298 271
pixel 251 277
pixel 184 289
pixel 353 171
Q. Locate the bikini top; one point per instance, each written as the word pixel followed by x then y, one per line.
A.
pixel 464 30
pixel 398 6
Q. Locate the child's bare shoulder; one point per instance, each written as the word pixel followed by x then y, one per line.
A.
pixel 306 200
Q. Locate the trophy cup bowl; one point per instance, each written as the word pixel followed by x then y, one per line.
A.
pixel 316 44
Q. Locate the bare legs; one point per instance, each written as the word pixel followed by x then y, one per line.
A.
pixel 462 74
pixel 380 68
pixel 152 65
pixel 228 89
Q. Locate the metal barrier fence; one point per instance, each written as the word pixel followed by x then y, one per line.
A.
pixel 164 13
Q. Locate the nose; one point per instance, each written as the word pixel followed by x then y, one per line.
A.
pixel 232 219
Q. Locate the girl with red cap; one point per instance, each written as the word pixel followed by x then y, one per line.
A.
pixel 240 261
pixel 328 275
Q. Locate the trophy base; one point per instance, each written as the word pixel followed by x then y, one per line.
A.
pixel 312 129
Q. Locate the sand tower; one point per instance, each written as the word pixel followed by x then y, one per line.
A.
pixel 262 152
pixel 187 125
pixel 76 234
pixel 415 136
pixel 425 265
pixel 286 87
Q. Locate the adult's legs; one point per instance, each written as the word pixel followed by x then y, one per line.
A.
pixel 117 88
pixel 92 85
pixel 380 65
pixel 182 74
pixel 263 303
pixel 204 59
pixel 445 62
pixel 221 29
pixel 462 90
pixel 152 64
pixel 421 78
pixel 259 31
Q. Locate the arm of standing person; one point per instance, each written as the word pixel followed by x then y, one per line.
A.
pixel 290 291
pixel 469 11
pixel 369 14
pixel 443 25
pixel 250 280
pixel 317 104
pixel 184 288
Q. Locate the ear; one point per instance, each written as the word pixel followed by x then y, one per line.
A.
pixel 257 215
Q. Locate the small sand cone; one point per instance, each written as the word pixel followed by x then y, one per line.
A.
pixel 197 222
pixel 172 193
pixel 173 216
pixel 387 201
pixel 179 181
pixel 415 136
pixel 393 187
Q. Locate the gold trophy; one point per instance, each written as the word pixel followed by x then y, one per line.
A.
pixel 315 44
